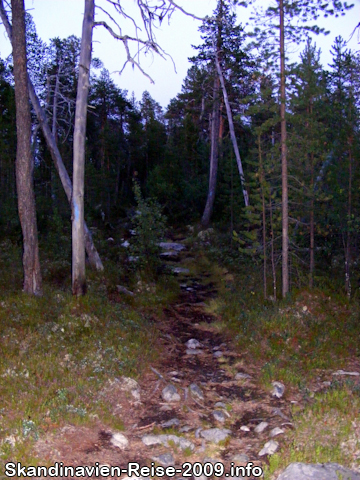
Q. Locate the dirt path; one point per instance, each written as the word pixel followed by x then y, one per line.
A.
pixel 226 396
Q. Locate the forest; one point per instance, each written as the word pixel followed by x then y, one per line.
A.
pixel 240 199
pixel 168 151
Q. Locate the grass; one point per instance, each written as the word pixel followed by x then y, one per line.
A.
pixel 299 341
pixel 325 431
pixel 59 353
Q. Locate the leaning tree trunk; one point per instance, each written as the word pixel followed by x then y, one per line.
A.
pixel 77 204
pixel 232 130
pixel 214 155
pixel 284 169
pixel 24 159
pixel 93 255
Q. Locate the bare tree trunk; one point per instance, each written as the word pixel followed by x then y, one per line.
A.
pixel 24 159
pixel 312 226
pixel 263 216
pixel 284 169
pixel 232 130
pixel 93 254
pixel 273 266
pixel 77 204
pixel 214 155
pixel 348 234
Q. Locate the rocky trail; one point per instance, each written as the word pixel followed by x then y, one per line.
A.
pixel 199 408
pixel 199 403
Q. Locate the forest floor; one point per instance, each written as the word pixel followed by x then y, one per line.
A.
pixel 65 401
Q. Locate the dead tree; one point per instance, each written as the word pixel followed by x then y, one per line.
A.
pixel 24 159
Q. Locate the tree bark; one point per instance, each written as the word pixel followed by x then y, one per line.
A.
pixel 273 266
pixel 312 226
pixel 24 160
pixel 77 204
pixel 284 169
pixel 232 130
pixel 262 194
pixel 214 155
pixel 93 254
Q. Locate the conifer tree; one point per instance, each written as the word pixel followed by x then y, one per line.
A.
pixel 307 144
pixel 283 21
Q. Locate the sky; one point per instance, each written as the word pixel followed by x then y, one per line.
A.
pixel 61 18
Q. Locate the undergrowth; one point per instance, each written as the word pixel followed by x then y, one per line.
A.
pixel 300 341
pixel 60 352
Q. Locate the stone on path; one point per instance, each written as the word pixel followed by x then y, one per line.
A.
pixel 244 428
pixel 261 427
pixel 169 394
pixel 219 416
pixel 215 435
pixel 220 405
pixel 178 247
pixel 240 458
pixel 276 431
pixel 119 440
pixel 193 351
pixel 269 448
pixel 324 471
pixel 218 354
pixel 128 384
pixel 173 422
pixel 171 254
pixel 150 440
pixel 196 391
pixel 166 441
pixel 342 372
pixel 179 270
pixel 279 389
pixel 193 343
pixel 242 376
pixel 166 459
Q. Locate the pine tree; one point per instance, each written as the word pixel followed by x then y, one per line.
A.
pixel 289 20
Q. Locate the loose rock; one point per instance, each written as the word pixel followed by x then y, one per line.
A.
pixel 261 427
pixel 244 428
pixel 218 354
pixel 342 372
pixel 164 440
pixel 119 440
pixel 269 448
pixel 240 458
pixel 169 394
pixel 276 431
pixel 196 391
pixel 128 384
pixel 179 270
pixel 178 247
pixel 242 376
pixel 325 471
pixel 215 435
pixel 192 351
pixel 166 459
pixel 193 343
pixel 173 422
pixel 278 390
pixel 150 440
pixel 219 416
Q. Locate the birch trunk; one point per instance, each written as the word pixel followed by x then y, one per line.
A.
pixel 232 130
pixel 77 204
pixel 93 254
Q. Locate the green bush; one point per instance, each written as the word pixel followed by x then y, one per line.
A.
pixel 149 226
